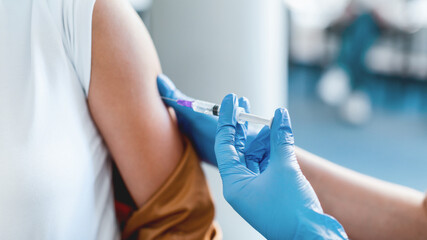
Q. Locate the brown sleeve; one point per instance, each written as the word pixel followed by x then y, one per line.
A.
pixel 181 209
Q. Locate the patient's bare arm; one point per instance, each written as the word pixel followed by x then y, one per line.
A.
pixel 368 208
pixel 138 129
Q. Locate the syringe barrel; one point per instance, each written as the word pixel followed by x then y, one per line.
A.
pixel 206 107
pixel 209 108
pixel 243 117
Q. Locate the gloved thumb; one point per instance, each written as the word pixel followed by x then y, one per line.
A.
pixel 165 86
pixel 168 90
pixel 281 136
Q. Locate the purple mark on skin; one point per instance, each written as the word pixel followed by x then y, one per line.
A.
pixel 185 103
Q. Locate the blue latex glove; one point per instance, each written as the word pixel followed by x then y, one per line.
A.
pixel 271 193
pixel 199 128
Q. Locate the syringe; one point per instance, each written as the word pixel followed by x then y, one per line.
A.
pixel 213 109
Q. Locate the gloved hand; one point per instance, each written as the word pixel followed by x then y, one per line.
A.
pixel 199 128
pixel 269 191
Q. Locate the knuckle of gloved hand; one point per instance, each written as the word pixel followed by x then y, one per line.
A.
pixel 225 134
pixel 226 164
pixel 220 142
pixel 282 127
pixel 284 136
pixel 225 128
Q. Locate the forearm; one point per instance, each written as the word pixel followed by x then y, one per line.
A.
pixel 368 208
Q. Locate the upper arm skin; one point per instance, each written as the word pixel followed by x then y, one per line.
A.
pixel 123 99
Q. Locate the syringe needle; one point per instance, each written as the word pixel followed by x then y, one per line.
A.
pixel 170 99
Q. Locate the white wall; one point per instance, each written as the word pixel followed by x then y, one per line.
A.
pixel 213 47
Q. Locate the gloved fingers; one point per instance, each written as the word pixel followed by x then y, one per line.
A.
pixel 168 90
pixel 234 174
pixel 245 104
pixel 166 87
pixel 227 114
pixel 225 149
pixel 281 135
pixel 258 149
pixel 241 131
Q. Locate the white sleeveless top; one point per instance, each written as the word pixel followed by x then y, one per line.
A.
pixel 55 178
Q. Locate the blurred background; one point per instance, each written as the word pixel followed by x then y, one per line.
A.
pixel 353 74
